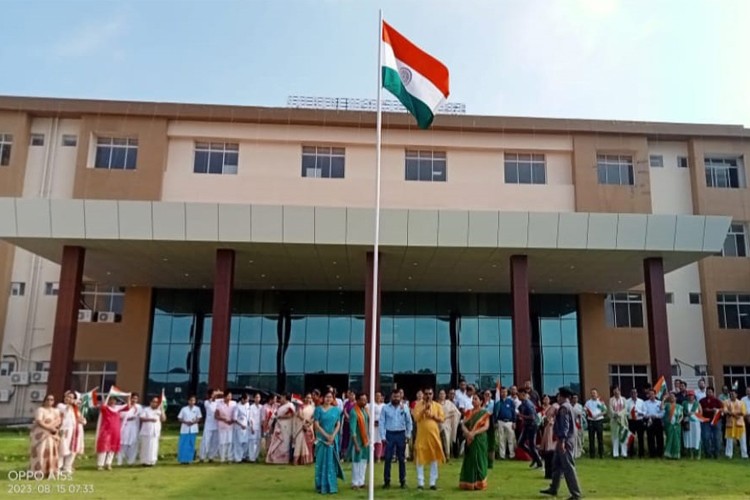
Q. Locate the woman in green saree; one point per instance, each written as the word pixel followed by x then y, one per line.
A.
pixel 474 468
pixel 672 427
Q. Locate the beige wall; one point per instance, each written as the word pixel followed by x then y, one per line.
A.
pixel 602 346
pixel 143 183
pixel 127 342
pixel 11 184
pixel 593 197
pixel 716 201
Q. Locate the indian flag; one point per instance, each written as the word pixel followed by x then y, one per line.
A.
pixel 116 392
pixel 416 78
pixel 88 401
pixel 717 418
pixel 660 388
pixel 163 401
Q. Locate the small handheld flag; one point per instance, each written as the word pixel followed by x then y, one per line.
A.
pixel 163 401
pixel 660 388
pixel 116 392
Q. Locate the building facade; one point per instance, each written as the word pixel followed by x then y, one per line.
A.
pixel 179 246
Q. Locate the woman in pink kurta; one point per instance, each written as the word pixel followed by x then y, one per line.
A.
pixel 108 433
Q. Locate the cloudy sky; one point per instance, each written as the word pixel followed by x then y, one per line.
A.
pixel 662 60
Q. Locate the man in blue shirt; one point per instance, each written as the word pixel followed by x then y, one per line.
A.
pixel 527 443
pixel 505 416
pixel 395 425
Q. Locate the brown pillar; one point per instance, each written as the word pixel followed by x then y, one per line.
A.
pixel 656 313
pixel 222 318
pixel 66 321
pixel 369 318
pixel 519 286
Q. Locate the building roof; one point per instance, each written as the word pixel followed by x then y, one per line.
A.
pixel 72 108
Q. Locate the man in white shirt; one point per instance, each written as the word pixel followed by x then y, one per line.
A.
pixel 255 430
pixel 210 441
pixel 700 392
pixel 224 421
pixel 240 439
pixel 618 420
pixel 189 417
pixel 151 419
pixel 579 418
pixel 653 413
pixel 129 431
pixel 636 412
pixel 595 411
pixel 463 400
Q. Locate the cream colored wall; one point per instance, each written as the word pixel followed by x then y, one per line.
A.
pixel 269 169
pixel 670 185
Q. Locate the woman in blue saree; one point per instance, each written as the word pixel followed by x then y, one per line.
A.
pixel 327 423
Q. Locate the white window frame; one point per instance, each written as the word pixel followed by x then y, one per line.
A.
pixel 695 295
pixel 94 377
pixel 6 149
pixel 516 162
pixel 7 367
pixel 36 139
pixel 629 299
pixel 616 371
pixel 736 376
pixel 129 144
pixel 625 169
pixel 52 288
pixel 737 231
pixel 428 159
pixel 17 288
pixel 229 152
pixel 718 171
pixel 656 161
pixel 669 296
pixel 322 159
pixel 69 140
pixel 737 301
pixel 41 366
pixel 682 162
pixel 91 293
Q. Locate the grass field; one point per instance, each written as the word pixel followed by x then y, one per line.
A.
pixel 610 479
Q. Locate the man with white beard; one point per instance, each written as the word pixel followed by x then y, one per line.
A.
pixel 240 440
pixel 210 440
pixel 131 424
pixel 255 429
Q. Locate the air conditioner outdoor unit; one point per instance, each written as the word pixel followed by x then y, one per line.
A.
pixel 39 377
pixel 37 396
pixel 4 396
pixel 105 317
pixel 85 316
pixel 19 378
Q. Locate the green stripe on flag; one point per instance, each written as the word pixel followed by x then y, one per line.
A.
pixel 392 82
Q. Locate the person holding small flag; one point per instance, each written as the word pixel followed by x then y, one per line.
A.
pixel 672 427
pixel 108 434
pixel 129 431
pixel 151 419
pixel 636 411
pixel 595 411
pixel 359 442
pixel 618 424
pixel 734 411
pixel 654 413
pixel 712 409
pixel 693 416
pixel 71 432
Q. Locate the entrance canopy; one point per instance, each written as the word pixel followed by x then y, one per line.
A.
pixel 173 244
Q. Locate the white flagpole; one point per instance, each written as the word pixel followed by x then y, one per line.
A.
pixel 375 262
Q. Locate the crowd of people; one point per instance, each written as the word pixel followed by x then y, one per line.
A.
pixel 477 426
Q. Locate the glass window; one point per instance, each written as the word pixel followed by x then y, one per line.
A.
pixel 552 360
pixel 733 310
pixel 443 359
pixel 489 331
pixel 724 171
pixel 628 377
pixel 339 330
pixel 315 358
pixel 216 158
pixel 694 298
pixel 87 375
pixel 469 332
pixel 6 143
pixel 250 330
pixel 429 166
pixel 317 329
pixel 178 358
pixel 37 139
pixel 323 162
pixel 550 331
pixel 69 141
pixel 682 162
pixel 737 375
pixel 403 359
pixel 525 169
pixel 403 330
pixel 357 359
pixel 248 358
pixel 624 310
pixel 386 358
pixel 656 161
pixel 116 153
pixel 468 358
pixel 489 359
pixel 426 330
pixel 425 359
pixel 268 358
pixel 338 359
pixel 615 169
pixel 17 289
pixel 735 245
pixel 269 330
pixel 100 298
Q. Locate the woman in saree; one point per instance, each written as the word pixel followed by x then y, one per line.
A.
pixel 449 426
pixel 672 427
pixel 474 468
pixel 71 432
pixel 549 411
pixel 489 405
pixel 349 403
pixel 327 423
pixel 45 438
pixel 303 433
pixel 693 417
pixel 280 443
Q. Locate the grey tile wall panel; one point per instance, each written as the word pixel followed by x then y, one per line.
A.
pixel 360 226
pixel 169 221
pixel 33 218
pixel 394 227
pixel 660 230
pixel 602 231
pixel 453 228
pixel 7 217
pixel 299 224
pixel 423 227
pixel 513 229
pixel 67 219
pixel 715 232
pixel 136 220
pixel 689 233
pixel 235 223
pixel 483 229
pixel 631 231
pixel 202 221
pixel 102 219
pixel 330 225
pixel 543 229
pixel 267 223
pixel 573 230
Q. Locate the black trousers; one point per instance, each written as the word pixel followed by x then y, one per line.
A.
pixel 548 457
pixel 637 427
pixel 528 443
pixel 596 429
pixel 655 437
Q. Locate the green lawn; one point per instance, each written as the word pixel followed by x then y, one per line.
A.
pixel 653 479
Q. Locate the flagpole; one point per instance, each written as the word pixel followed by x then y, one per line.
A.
pixel 375 262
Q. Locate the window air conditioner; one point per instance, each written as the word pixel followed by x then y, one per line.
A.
pixel 39 377
pixel 4 396
pixel 84 316
pixel 37 396
pixel 19 378
pixel 105 317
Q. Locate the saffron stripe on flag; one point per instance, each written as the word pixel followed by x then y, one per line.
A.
pixel 419 60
